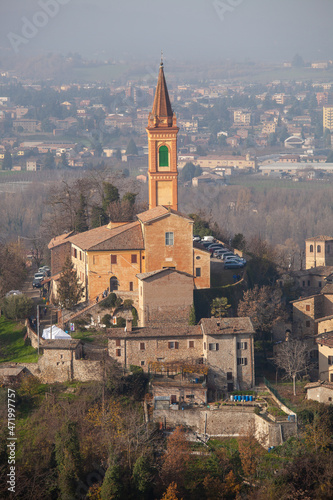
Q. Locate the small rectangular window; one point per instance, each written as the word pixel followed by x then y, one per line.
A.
pixel 113 259
pixel 213 347
pixel 169 239
pixel 117 342
pixel 118 353
pixel 80 255
pixel 191 344
pixel 142 363
pixel 173 345
pixel 134 259
pixel 198 272
pixel 242 361
pixel 95 259
pixel 330 360
pixel 131 286
pixel 229 375
pixel 307 307
pixel 319 284
pixel 142 346
pixel 205 346
pixel 303 283
pixel 75 253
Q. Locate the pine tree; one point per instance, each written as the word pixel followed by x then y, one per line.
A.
pixel 64 160
pixel 219 307
pixel 98 217
pixel 68 458
pixel 112 487
pixel 81 223
pixel 110 194
pixel 131 148
pixel 49 162
pixel 70 291
pixel 7 162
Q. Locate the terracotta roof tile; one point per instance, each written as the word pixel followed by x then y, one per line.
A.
pixel 158 212
pixel 226 326
pixel 59 240
pixel 168 331
pixel 325 339
pixel 128 236
pixel 320 238
pixel 144 276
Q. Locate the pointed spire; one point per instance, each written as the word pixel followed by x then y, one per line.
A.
pixel 162 105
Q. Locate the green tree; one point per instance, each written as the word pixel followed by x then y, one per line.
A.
pixel 64 160
pixel 118 154
pixel 110 194
pixel 17 307
pixel 132 148
pixel 201 226
pixel 7 162
pixel 130 198
pixel 192 318
pixel 143 475
pixel 68 458
pixel 81 223
pixel 112 487
pixel 239 241
pixel 189 171
pixel 70 291
pixel 220 307
pixel 298 61
pixel 98 217
pixel 49 162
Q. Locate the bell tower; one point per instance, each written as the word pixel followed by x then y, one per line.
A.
pixel 162 148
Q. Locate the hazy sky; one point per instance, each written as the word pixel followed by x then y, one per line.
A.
pixel 268 30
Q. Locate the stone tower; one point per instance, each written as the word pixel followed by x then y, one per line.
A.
pixel 162 143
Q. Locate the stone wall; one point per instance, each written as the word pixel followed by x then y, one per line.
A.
pixel 58 257
pixel 229 422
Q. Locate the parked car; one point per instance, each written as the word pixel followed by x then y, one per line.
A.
pixel 233 264
pixel 219 252
pixel 39 276
pixel 196 238
pixel 215 245
pixel 227 254
pixel 37 282
pixel 208 238
pixel 46 270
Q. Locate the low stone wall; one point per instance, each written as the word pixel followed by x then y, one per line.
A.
pixel 229 422
pixel 33 336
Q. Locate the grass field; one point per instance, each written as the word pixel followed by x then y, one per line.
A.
pixel 12 345
pixel 261 183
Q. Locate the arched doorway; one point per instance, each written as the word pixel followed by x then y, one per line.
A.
pixel 113 284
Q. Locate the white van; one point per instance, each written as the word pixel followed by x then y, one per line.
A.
pixel 208 238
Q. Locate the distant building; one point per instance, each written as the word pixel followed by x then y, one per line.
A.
pixel 319 251
pixel 328 118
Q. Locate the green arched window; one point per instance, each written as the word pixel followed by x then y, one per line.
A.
pixel 163 156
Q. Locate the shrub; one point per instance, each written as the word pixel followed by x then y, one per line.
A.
pixel 106 320
pixel 17 307
pixel 135 316
pixel 109 301
pixel 257 410
pixel 121 322
pixel 128 304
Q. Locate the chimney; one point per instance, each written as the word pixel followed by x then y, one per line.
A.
pixel 129 325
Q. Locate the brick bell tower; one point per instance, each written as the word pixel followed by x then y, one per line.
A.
pixel 162 133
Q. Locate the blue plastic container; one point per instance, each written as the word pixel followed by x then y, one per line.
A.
pixel 251 398
pixel 247 398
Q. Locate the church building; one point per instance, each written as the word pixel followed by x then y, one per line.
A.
pixel 116 256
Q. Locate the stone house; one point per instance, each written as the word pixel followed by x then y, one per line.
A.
pixel 224 345
pixel 325 356
pixel 311 315
pixel 319 251
pixel 320 391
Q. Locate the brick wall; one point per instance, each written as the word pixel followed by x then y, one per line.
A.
pixel 165 297
pixel 58 257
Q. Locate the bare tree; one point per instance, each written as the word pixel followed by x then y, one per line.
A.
pixel 291 357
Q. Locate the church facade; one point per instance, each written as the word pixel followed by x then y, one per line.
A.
pixel 112 256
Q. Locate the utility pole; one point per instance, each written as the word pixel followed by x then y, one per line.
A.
pixel 38 326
